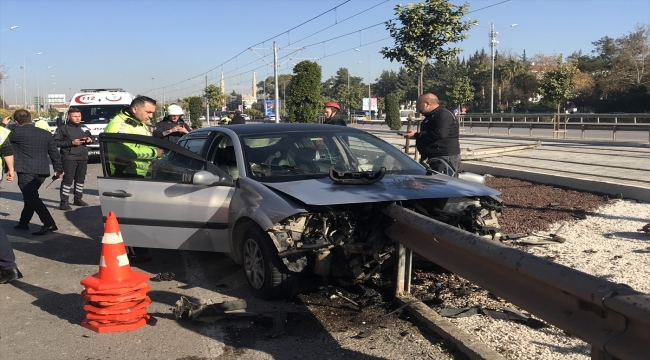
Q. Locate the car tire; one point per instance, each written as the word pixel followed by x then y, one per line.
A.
pixel 266 274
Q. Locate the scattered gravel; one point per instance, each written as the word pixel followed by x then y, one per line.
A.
pixel 606 244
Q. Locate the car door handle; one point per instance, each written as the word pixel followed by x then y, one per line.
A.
pixel 116 194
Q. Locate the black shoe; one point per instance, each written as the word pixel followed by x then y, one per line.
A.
pixel 80 202
pixel 9 275
pixel 46 229
pixel 20 226
pixel 64 206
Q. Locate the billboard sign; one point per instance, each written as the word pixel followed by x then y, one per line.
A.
pixel 269 105
pixel 369 104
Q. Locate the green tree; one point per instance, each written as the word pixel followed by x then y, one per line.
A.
pixel 427 28
pixel 214 96
pixel 266 86
pixel 385 84
pixel 392 112
pixel 53 113
pixel 460 92
pixel 352 97
pixel 304 97
pixel 254 113
pixel 558 84
pixel 194 104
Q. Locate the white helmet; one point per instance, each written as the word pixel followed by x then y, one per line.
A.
pixel 174 110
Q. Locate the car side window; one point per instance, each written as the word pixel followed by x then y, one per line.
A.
pixel 224 156
pixel 147 162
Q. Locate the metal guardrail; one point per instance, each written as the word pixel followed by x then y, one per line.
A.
pixel 613 318
pixel 572 118
pixel 549 125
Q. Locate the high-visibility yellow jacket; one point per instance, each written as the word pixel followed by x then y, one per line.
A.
pixel 129 158
pixel 42 124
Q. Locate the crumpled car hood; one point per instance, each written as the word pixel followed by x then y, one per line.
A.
pixel 390 188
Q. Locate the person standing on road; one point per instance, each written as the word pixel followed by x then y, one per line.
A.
pixel 438 136
pixel 31 147
pixel 172 127
pixel 127 159
pixel 238 119
pixel 8 268
pixel 330 110
pixel 133 160
pixel 42 124
pixel 72 139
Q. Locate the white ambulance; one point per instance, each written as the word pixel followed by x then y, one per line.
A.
pixel 98 107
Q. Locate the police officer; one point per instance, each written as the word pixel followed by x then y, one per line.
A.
pixel 8 269
pixel 172 127
pixel 127 159
pixel 42 124
pixel 438 136
pixel 330 110
pixel 132 160
pixel 72 139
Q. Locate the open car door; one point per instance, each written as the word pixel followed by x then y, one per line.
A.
pixel 174 201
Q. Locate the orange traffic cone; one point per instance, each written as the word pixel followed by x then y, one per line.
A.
pixel 117 296
pixel 114 268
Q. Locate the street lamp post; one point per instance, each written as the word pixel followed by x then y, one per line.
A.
pixel 493 42
pixel 24 88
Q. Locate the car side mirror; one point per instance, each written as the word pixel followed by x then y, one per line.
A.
pixel 209 179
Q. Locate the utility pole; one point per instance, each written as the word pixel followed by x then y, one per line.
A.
pixel 207 102
pixel 493 43
pixel 275 76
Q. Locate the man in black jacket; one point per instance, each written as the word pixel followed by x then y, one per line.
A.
pixel 31 147
pixel 72 138
pixel 438 136
pixel 238 119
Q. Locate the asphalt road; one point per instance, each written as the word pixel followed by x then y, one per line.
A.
pixel 40 314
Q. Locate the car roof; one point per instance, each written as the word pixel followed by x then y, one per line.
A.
pixel 248 129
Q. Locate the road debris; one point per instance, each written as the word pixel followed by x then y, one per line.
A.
pixel 187 310
pixel 166 276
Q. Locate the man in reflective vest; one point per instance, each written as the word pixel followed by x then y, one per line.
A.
pixel 42 124
pixel 8 269
pixel 129 159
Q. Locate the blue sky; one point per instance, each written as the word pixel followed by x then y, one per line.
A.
pixel 120 43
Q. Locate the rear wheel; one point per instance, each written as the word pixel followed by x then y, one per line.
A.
pixel 266 274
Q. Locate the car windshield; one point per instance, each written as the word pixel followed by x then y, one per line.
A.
pixel 300 155
pixel 98 114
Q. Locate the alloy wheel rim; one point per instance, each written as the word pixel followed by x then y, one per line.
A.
pixel 254 264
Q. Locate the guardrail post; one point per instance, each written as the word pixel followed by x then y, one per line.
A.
pixel 531 130
pixel 509 125
pixel 538 119
pixel 583 132
pixel 614 134
pixel 403 271
pixel 490 128
pixel 471 128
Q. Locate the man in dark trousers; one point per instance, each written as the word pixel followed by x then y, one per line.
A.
pixel 438 136
pixel 72 139
pixel 172 127
pixel 31 147
pixel 238 119
pixel 8 269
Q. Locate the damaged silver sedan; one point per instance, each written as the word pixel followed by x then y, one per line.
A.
pixel 290 202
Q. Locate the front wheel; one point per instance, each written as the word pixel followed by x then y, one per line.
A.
pixel 266 274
